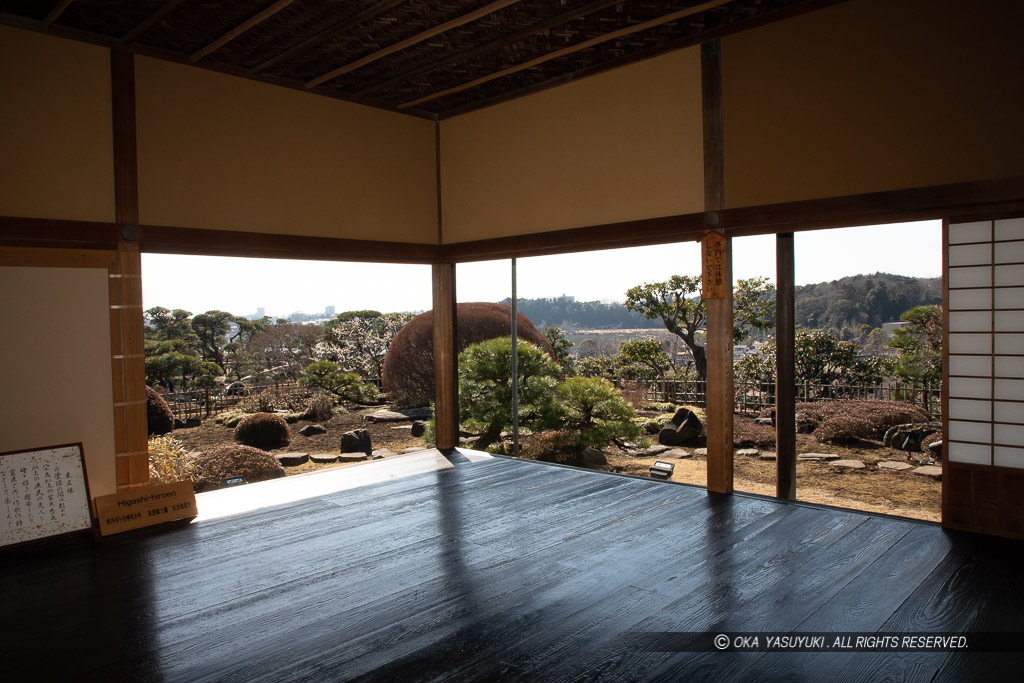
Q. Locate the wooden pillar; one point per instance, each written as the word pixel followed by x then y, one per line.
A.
pixel 446 386
pixel 719 305
pixel 785 369
pixel 717 279
pixel 128 371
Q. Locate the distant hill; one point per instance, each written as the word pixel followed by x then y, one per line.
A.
pixel 849 302
pixel 863 299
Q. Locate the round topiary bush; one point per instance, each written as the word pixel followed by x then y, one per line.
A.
pixel 408 373
pixel 263 430
pixel 159 419
pixel 218 464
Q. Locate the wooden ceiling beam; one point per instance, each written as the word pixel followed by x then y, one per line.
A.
pixel 55 13
pixel 334 30
pixel 495 44
pixel 240 29
pixel 418 38
pixel 146 23
pixel 666 19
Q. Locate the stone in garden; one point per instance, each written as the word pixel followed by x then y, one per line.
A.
pixel 353 457
pixel 848 464
pixel 908 437
pixel 323 458
pixel 419 428
pixel 933 471
pixel 684 427
pixel 804 424
pixel 384 415
pixel 678 453
pixel 894 465
pixel 356 441
pixel 379 453
pixel 700 451
pixel 313 430
pixel 747 452
pixel 766 421
pixel 292 459
pixel 650 452
pixel 817 456
pixel 768 455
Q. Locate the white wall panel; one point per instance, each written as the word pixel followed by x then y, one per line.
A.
pixel 959 233
pixel 970 453
pixel 1009 457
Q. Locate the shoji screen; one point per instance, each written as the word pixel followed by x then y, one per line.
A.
pixel 985 375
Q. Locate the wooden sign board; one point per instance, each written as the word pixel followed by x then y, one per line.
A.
pixel 714 283
pixel 145 506
pixel 44 493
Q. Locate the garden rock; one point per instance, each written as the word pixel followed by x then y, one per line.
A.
pixel 356 441
pixel 767 421
pixel 677 453
pixel 384 415
pixel 848 464
pixel 354 457
pixel 292 459
pixel 313 430
pixel 768 455
pixel 379 453
pixel 894 465
pixel 816 457
pixel 700 451
pixel 933 471
pixel 748 452
pixel 908 437
pixel 650 452
pixel 323 458
pixel 419 428
pixel 684 427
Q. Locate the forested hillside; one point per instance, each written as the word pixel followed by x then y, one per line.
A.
pixel 847 303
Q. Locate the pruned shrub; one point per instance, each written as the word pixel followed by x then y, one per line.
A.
pixel 321 408
pixel 159 419
pixel 408 374
pixel 750 435
pixel 857 419
pixel 263 430
pixel 293 399
pixel 326 375
pixel 593 408
pixel 564 447
pixel 223 462
pixel 170 462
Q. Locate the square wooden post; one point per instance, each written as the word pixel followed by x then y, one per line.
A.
pixel 717 292
pixel 446 382
pixel 785 369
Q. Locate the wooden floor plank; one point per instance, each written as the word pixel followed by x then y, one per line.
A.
pixel 505 569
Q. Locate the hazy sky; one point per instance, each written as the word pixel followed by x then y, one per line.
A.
pixel 241 285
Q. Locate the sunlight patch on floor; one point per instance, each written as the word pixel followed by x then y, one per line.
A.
pixel 265 494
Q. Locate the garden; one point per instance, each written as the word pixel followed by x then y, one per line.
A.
pixel 265 399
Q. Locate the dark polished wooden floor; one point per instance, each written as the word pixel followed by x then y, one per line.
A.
pixel 507 570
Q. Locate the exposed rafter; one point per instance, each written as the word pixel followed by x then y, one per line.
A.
pixel 335 30
pixel 55 13
pixel 418 38
pixel 675 16
pixel 495 44
pixel 240 29
pixel 143 26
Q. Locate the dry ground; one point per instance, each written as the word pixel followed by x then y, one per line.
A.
pixel 393 436
pixel 894 493
pixel 870 489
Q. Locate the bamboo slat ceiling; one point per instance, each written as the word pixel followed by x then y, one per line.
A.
pixel 433 58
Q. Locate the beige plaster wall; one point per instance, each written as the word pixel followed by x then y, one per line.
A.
pixel 619 146
pixel 221 152
pixel 55 361
pixel 56 159
pixel 873 95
